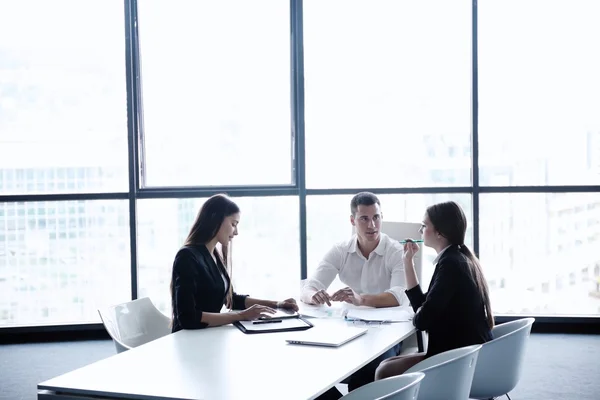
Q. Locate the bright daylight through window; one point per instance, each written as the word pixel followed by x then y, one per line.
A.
pixel 387 121
pixel 216 86
pixel 388 104
pixel 539 125
pixel 63 129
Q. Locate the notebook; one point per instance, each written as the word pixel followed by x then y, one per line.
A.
pixel 327 337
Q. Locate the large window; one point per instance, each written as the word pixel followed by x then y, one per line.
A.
pixel 265 254
pixel 216 86
pixel 387 93
pixel 63 130
pixel 293 107
pixel 61 261
pixel 539 92
pixel 539 125
pixel 539 252
pixel 63 112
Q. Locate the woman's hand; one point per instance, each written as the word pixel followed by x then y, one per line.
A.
pixel 288 304
pixel 256 311
pixel 410 249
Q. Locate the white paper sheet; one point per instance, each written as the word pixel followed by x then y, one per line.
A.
pixel 337 310
pixel 391 314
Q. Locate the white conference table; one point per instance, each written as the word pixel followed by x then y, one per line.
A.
pixel 224 363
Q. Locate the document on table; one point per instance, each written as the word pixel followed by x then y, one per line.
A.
pixel 323 311
pixel 388 314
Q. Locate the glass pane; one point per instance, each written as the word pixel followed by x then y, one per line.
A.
pixel 539 92
pixel 266 253
pixel 387 93
pixel 61 261
pixel 328 222
pixel 63 110
pixel 540 252
pixel 216 85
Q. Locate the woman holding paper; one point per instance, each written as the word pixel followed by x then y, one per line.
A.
pixel 456 310
pixel 201 283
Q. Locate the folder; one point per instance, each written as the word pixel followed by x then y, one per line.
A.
pixel 273 325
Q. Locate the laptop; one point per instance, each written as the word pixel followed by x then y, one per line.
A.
pixel 328 337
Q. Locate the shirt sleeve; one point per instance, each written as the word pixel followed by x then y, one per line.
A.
pixel 185 284
pixel 397 281
pixel 442 288
pixel 326 272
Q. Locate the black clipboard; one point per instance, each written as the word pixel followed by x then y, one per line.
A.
pixel 283 326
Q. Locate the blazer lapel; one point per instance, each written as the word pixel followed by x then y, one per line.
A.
pixel 224 272
pixel 215 270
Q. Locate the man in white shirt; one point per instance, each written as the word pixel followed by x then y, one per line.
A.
pixel 371 266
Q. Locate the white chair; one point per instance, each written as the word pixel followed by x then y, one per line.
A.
pixel 134 323
pixel 400 231
pixel 500 362
pixel 401 387
pixel 448 375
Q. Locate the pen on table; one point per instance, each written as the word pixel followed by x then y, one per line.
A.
pixel 266 322
pixel 414 241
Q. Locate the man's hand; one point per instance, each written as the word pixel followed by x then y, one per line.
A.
pixel 321 297
pixel 348 295
pixel 288 304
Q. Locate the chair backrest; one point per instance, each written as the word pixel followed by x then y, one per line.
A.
pixel 448 375
pixel 511 327
pixel 400 387
pixel 134 323
pixel 500 362
pixel 402 230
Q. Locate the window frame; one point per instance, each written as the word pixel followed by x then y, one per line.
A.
pixel 137 190
pixel 270 190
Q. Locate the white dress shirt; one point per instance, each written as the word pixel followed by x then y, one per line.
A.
pixel 439 255
pixel 382 272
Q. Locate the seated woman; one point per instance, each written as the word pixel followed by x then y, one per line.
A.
pixel 201 284
pixel 456 310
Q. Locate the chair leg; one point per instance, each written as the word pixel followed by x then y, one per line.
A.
pixel 508 396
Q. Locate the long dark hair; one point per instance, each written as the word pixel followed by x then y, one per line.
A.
pixel 450 221
pixel 206 226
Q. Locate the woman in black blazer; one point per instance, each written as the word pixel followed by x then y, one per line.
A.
pixel 456 310
pixel 201 284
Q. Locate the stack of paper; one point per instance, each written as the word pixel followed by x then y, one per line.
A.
pixel 388 314
pixel 337 310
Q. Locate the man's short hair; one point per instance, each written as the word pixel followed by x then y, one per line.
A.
pixel 363 199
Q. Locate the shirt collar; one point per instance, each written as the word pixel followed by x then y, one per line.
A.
pixel 437 258
pixel 380 249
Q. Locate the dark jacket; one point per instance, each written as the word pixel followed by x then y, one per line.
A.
pixel 452 311
pixel 198 287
